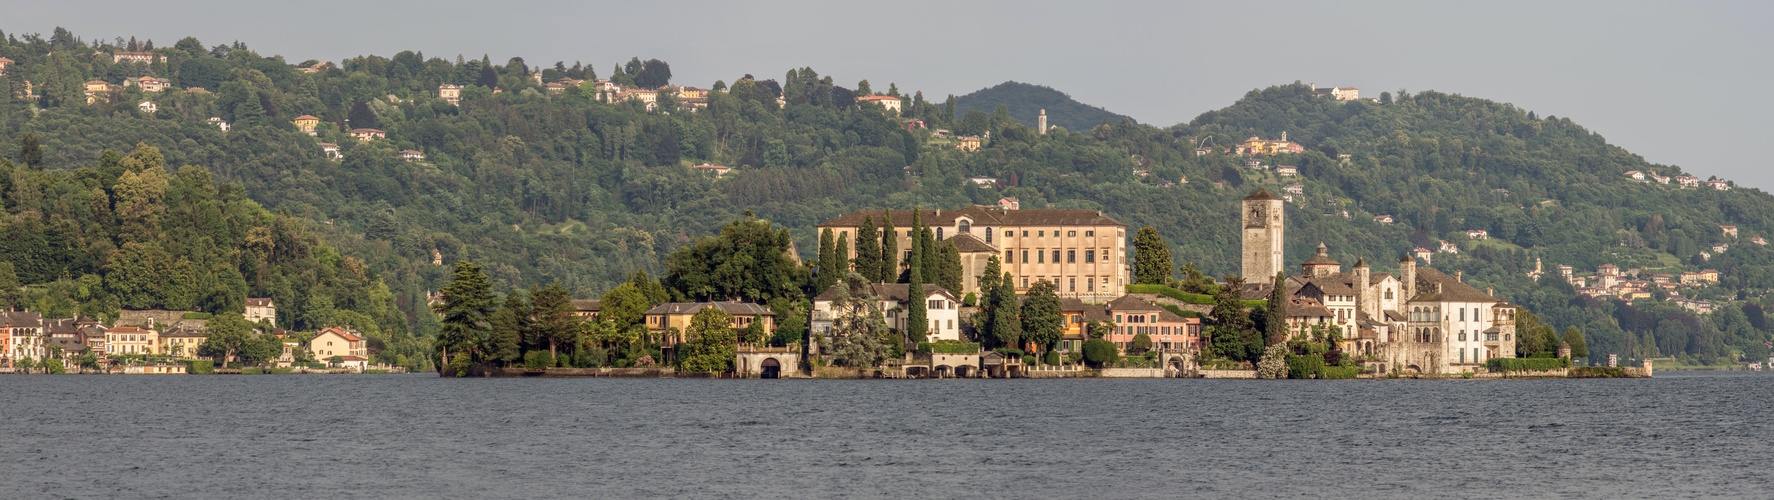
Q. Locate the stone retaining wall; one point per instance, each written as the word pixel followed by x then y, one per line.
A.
pixel 1228 374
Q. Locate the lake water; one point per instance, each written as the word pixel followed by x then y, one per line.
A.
pixel 407 436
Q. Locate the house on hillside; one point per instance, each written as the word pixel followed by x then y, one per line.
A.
pixel 969 143
pixel 148 106
pixel 343 343
pixel 147 83
pixel 588 309
pixel 1477 234
pixel 411 155
pixel 718 170
pixel 136 57
pixel 308 124
pixel 1729 230
pixel 368 134
pixel 1384 220
pixel 1636 175
pixel 1287 170
pixel 1688 181
pixel 889 102
pixel 1447 247
pixel 983 181
pixel 1717 185
pixel 331 150
pixel 1258 146
pixel 1338 93
pixel 1295 188
pixel 260 309
pixel 4 63
pixel 450 93
pixel 218 123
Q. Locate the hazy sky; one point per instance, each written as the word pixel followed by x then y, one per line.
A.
pixel 1678 83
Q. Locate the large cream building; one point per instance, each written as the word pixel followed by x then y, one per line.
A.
pixel 1420 320
pixel 1083 252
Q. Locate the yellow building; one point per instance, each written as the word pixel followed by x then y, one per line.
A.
pixel 669 321
pixel 1081 251
pixel 181 342
pixel 131 340
pixel 308 123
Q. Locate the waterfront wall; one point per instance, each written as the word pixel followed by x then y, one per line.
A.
pixel 1228 374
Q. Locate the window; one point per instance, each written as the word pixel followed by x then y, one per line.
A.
pixel 1462 314
pixel 951 324
pixel 1089 256
pixel 988 235
pixel 1117 318
pixel 1089 233
pixel 1388 293
pixel 1071 256
pixel 1008 234
pixel 1071 284
pixel 1075 319
pixel 967 227
pixel 1025 281
pixel 907 258
pixel 1462 335
pixel 1071 233
pixel 1105 283
pixel 1089 284
pixel 1056 256
pixel 1008 257
pixel 1462 355
pixel 1025 234
pixel 939 233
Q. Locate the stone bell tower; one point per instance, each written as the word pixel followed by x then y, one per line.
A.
pixel 1041 122
pixel 1262 221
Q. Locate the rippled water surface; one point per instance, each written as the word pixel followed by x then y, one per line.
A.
pixel 402 436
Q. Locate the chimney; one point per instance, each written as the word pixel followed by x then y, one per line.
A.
pixel 1459 276
pixel 1407 277
pixel 1491 291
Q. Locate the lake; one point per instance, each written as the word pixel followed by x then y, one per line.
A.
pixel 410 436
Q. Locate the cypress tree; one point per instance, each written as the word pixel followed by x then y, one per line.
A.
pixel 1278 310
pixel 841 258
pixel 948 274
pixel 868 251
pixel 917 323
pixel 988 289
pixel 931 262
pixel 828 262
pixel 1007 327
pixel 889 250
pixel 916 241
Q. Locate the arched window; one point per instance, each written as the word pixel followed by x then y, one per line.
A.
pixel 988 235
pixel 967 226
pixel 1388 293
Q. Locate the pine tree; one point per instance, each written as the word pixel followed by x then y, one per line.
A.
pixel 30 152
pixel 868 251
pixel 467 303
pixel 889 250
pixel 1151 258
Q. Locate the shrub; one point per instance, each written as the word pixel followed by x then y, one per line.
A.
pixel 1075 357
pixel 460 363
pixel 1307 366
pixel 1598 372
pixel 1008 351
pixel 1099 352
pixel 1141 343
pixel 200 367
pixel 1527 364
pixel 1051 358
pixel 538 359
pixel 969 300
pixel 948 347
pixel 1341 372
pixel 1029 360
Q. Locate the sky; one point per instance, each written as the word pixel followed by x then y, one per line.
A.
pixel 1674 82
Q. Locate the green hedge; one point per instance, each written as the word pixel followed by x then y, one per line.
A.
pixel 1598 372
pixel 1306 366
pixel 1179 311
pixel 1527 364
pixel 200 367
pixel 198 315
pixel 1192 298
pixel 948 347
pixel 1341 371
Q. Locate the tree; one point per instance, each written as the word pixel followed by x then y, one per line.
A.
pixel 948 271
pixel 1140 344
pixel 917 322
pixel 1151 258
pixel 511 326
pixel 467 303
pixel 868 251
pixel 227 334
pixel 362 117
pixel 841 256
pixel 1006 314
pixel 488 78
pixel 654 74
pixel 1100 352
pixel 858 327
pixel 623 306
pixel 1232 334
pixel 1043 319
pixel 30 152
pixel 748 260
pixel 1574 338
pixel 889 249
pixel 1276 318
pixel 709 343
pixel 828 262
pixel 555 321
pixel 9 286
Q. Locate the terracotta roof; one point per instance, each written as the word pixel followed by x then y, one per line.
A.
pixel 184 333
pixel 1451 289
pixel 1262 194
pixel 734 308
pixel 369 130
pixel 21 319
pixel 588 305
pixel 258 302
pixel 130 329
pixel 877 98
pixel 348 335
pixel 968 243
pixel 981 216
pixel 308 117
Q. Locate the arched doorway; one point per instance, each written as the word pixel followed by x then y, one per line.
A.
pixel 964 371
pixel 770 369
pixel 941 371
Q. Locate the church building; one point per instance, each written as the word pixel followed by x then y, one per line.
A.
pixel 1420 320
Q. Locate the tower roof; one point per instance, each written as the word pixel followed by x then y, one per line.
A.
pixel 1323 258
pixel 1262 194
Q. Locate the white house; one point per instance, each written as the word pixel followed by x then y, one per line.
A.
pixel 347 345
pixel 941 308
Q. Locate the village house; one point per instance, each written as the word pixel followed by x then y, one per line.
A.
pixel 1009 203
pixel 1660 179
pixel 1131 317
pixel 450 93
pixel 131 340
pixel 1256 164
pixel 1259 146
pixel 148 106
pixel 1384 220
pixel 148 83
pixel 308 124
pixel 889 102
pixel 1287 170
pixel 941 308
pixel 331 150
pixel 4 64
pixel 983 181
pixel 261 309
pixel 218 123
pixel 1758 240
pixel 968 143
pixel 1447 247
pixel 1719 185
pixel 1729 230
pixel 411 155
pixel 181 342
pixel 587 309
pixel 1425 254
pixel 346 344
pixel 368 134
pixel 1636 175
pixel 1477 234
pixel 98 90
pixel 1338 93
pixel 136 57
pixel 669 321
pixel 1082 251
pixel 1295 188
pixel 718 170
pixel 1688 181
pixel 21 336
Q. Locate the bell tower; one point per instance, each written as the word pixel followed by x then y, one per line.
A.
pixel 1262 221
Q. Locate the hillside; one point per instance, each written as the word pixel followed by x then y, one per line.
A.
pixel 540 185
pixel 1025 102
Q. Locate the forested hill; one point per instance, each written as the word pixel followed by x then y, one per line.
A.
pixel 1025 101
pixel 540 184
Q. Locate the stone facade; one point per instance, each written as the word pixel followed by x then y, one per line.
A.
pixel 1263 236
